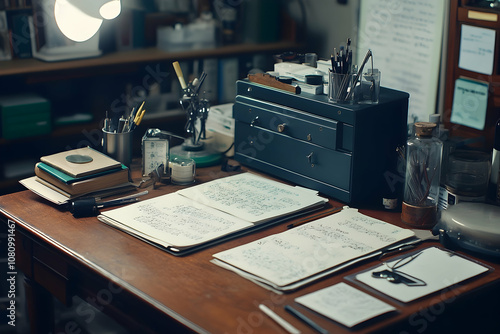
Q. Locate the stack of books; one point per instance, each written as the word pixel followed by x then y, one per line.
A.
pixel 78 172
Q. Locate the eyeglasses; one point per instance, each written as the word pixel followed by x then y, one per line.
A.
pixel 396 276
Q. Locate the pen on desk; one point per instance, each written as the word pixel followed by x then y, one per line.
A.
pixel 88 207
pixel 116 202
pixel 313 217
pixel 282 322
pixel 305 319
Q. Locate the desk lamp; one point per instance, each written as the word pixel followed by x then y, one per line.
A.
pixel 79 20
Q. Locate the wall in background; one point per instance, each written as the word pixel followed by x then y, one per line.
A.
pixel 329 23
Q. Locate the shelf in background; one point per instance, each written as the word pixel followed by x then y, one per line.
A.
pixel 29 66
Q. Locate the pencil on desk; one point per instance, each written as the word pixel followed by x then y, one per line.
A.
pixel 305 319
pixel 316 216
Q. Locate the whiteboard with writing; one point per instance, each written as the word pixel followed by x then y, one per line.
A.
pixel 405 37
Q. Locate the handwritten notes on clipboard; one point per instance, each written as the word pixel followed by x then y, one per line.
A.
pixel 287 260
pixel 437 267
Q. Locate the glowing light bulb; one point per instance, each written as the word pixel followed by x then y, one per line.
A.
pixel 74 23
pixel 110 9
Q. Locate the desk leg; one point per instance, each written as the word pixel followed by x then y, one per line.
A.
pixel 40 307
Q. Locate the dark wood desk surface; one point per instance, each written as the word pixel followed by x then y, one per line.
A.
pixel 147 289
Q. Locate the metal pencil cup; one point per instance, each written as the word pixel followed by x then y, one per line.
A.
pixel 118 146
pixel 339 88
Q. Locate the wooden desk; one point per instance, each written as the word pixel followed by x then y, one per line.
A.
pixel 148 290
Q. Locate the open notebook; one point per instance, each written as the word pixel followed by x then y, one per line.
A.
pixel 286 261
pixel 205 214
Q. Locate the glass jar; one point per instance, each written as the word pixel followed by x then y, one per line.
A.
pixel 423 169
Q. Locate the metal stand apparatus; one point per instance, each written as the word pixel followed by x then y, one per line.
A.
pixel 196 109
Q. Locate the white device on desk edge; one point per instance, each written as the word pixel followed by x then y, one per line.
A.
pixel 471 226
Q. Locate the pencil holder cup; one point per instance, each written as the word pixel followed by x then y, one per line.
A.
pixel 370 86
pixel 118 146
pixel 339 88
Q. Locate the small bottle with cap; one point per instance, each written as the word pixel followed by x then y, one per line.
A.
pixel 422 177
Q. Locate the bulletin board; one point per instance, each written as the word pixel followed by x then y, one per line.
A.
pixel 472 100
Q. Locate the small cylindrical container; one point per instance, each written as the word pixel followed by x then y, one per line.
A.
pixel 311 59
pixel 339 89
pixel 182 170
pixel 118 146
pixel 468 173
pixel 370 86
pixel 422 177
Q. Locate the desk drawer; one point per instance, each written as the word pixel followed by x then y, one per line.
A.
pixel 310 160
pixel 288 121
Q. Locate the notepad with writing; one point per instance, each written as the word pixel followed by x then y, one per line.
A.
pixel 291 259
pixel 345 304
pixel 195 217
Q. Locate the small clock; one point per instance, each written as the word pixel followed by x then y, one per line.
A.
pixel 155 151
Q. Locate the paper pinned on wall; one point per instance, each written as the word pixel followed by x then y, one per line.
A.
pixel 406 40
pixel 470 101
pixel 477 49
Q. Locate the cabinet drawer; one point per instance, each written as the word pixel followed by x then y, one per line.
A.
pixel 301 157
pixel 287 121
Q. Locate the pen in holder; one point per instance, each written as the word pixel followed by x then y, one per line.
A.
pixel 349 84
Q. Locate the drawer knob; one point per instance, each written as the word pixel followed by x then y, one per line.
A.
pixel 281 127
pixel 255 121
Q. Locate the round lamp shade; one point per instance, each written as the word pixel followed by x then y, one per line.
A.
pixel 74 23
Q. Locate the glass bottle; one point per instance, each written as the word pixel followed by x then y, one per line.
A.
pixel 423 169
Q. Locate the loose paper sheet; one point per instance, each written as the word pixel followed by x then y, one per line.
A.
pixel 438 268
pixel 306 250
pixel 477 49
pixel 345 304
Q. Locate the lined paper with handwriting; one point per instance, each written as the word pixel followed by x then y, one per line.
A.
pixel 208 211
pixel 285 258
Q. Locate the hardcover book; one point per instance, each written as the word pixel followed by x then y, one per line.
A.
pixel 81 162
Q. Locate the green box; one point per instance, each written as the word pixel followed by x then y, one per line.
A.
pixel 24 116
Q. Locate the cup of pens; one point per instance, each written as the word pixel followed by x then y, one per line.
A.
pixel 340 88
pixel 117 137
pixel 118 145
